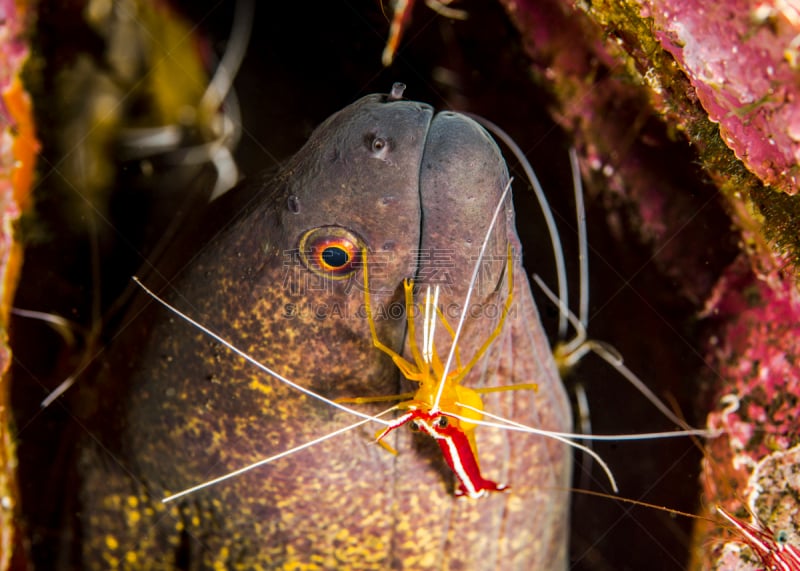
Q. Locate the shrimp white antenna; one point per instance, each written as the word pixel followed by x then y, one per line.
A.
pixel 472 281
pixel 62 387
pixel 429 324
pixel 569 437
pixel 583 242
pixel 63 326
pixel 574 350
pixel 555 240
pixel 66 329
pixel 220 90
pixel 228 67
pixel 253 361
pixel 609 355
pixel 559 436
pixel 270 459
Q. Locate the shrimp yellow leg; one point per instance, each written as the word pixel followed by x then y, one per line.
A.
pixel 500 323
pixel 408 369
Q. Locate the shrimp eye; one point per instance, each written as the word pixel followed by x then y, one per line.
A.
pixel 782 537
pixel 331 251
pixel 442 422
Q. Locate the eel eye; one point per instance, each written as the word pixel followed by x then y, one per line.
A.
pixel 414 426
pixel 441 422
pixel 331 251
pixel 335 256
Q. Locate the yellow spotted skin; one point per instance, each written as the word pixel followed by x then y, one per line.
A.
pixel 170 408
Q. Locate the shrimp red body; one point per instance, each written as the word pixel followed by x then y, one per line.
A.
pixel 456 448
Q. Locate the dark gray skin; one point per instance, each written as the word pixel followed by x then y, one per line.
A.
pixel 172 408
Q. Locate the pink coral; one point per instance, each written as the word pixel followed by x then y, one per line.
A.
pixel 746 78
pixel 759 407
pixel 18 149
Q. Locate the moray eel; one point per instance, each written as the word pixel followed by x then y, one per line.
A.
pixel 171 407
